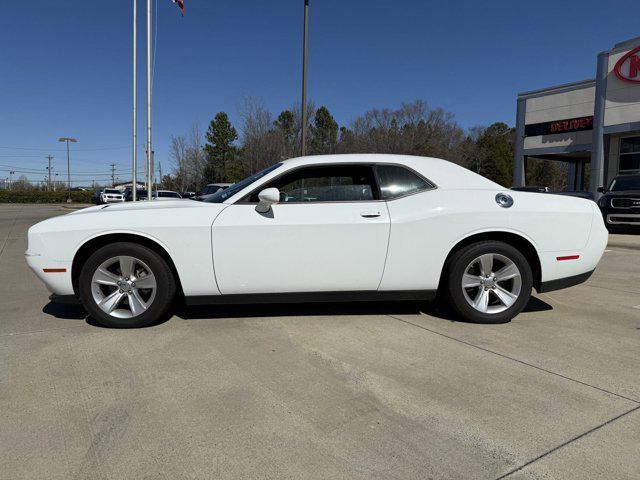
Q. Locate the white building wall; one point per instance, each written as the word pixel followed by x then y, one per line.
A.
pixel 559 106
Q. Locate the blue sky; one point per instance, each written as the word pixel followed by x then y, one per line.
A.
pixel 66 65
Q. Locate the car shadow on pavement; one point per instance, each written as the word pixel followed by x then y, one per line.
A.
pixel 296 310
pixel 65 311
pixel 435 309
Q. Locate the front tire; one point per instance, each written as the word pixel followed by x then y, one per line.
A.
pixel 126 285
pixel 488 282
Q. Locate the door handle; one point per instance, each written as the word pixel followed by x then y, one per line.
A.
pixel 370 214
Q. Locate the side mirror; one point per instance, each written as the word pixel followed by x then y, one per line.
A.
pixel 601 190
pixel 267 197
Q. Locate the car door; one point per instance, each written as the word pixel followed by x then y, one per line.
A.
pixel 329 232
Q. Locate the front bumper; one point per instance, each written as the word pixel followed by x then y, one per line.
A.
pixel 54 274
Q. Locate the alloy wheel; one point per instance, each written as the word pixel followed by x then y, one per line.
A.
pixel 491 283
pixel 123 286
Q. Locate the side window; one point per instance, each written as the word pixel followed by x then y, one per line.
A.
pixel 333 183
pixel 396 181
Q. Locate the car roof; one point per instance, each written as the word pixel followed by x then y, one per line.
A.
pixel 442 173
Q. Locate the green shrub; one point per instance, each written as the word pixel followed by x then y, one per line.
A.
pixel 36 196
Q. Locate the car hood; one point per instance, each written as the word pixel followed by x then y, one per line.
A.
pixel 142 205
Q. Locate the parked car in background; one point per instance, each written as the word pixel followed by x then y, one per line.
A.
pixel 111 195
pixel 107 195
pixel 214 187
pixel 187 194
pixel 620 204
pixel 166 195
pixel 210 190
pixel 324 228
pixel 157 195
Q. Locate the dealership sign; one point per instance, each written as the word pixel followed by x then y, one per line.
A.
pixel 628 67
pixel 559 126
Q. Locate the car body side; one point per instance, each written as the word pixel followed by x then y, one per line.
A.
pixel 424 228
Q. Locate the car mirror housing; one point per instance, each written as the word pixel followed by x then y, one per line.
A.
pixel 267 197
pixel 601 190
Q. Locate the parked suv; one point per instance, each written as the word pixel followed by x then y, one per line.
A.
pixel 620 204
pixel 107 195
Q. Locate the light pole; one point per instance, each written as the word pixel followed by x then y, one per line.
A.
pixel 134 179
pixel 11 172
pixel 149 148
pixel 73 140
pixel 303 140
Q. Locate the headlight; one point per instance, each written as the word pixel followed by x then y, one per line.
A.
pixel 602 202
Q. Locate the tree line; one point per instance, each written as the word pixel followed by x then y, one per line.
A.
pixel 224 153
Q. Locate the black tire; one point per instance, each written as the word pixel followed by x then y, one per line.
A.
pixel 161 302
pixel 456 267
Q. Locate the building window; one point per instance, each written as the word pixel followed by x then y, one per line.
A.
pixel 629 155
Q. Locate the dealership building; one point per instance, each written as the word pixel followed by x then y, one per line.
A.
pixel 592 122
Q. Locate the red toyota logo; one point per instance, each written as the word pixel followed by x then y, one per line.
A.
pixel 628 67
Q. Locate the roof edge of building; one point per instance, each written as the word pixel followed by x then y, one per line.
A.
pixel 558 88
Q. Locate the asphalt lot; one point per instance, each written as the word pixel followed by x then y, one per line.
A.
pixel 331 391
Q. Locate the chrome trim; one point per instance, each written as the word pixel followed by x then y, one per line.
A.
pixel 625 198
pixel 623 215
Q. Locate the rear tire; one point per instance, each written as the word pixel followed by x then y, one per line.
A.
pixel 488 282
pixel 126 285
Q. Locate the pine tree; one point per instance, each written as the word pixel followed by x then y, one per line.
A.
pixel 223 164
pixel 324 133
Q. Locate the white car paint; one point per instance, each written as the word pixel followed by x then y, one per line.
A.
pixel 313 247
pixel 229 248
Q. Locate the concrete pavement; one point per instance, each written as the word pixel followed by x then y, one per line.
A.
pixel 321 391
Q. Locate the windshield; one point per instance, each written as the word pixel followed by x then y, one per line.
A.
pixel 621 184
pixel 111 190
pixel 221 195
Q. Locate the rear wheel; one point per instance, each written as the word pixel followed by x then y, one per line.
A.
pixel 489 282
pixel 126 285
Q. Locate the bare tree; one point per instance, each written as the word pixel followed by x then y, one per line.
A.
pixel 196 158
pixel 179 155
pixel 413 129
pixel 258 142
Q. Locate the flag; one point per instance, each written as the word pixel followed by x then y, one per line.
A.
pixel 180 5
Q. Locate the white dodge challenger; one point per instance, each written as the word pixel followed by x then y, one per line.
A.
pixel 324 228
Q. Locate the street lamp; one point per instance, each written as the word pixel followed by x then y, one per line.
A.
pixel 305 42
pixel 73 140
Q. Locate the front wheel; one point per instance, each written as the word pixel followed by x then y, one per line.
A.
pixel 126 285
pixel 489 282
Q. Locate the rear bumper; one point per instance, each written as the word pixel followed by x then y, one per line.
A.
pixel 566 282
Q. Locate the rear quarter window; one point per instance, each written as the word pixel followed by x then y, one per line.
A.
pixel 397 181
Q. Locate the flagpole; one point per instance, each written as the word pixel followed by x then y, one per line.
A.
pixel 149 149
pixel 305 41
pixel 134 179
